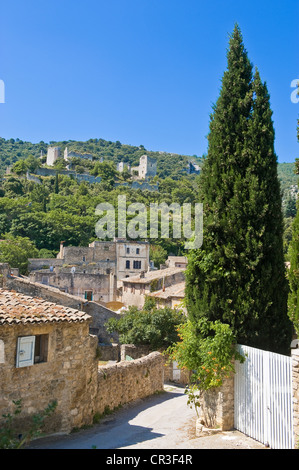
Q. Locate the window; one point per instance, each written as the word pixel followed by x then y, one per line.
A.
pixel 128 250
pixel 45 280
pixel 127 264
pixel 32 350
pixel 137 251
pixel 83 258
pixel 41 348
pixel 136 264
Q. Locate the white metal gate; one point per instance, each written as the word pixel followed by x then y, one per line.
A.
pixel 263 397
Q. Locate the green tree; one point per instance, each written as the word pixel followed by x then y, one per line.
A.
pixel 106 170
pixel 20 167
pixel 150 326
pixel 238 276
pixel 158 255
pixel 32 163
pixel 293 275
pixel 56 186
pixel 16 251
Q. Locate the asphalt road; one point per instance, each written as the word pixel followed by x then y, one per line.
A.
pixel 162 421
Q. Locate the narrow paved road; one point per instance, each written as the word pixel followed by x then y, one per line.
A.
pixel 162 421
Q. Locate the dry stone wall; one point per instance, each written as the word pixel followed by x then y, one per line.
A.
pixel 127 381
pixel 99 313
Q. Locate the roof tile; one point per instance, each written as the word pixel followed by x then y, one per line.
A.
pixel 19 308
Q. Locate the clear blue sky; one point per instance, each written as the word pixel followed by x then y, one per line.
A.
pixel 139 71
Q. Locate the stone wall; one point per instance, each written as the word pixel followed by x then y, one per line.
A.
pixel 109 352
pixel 102 286
pixel 69 375
pixel 133 352
pixel 171 372
pixel 99 313
pixel 43 263
pixel 127 381
pixel 218 406
pixel 43 171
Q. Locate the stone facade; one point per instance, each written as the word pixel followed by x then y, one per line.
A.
pixel 87 283
pixel 218 406
pixel 147 168
pixel 136 288
pixel 99 313
pixel 171 371
pixel 52 155
pixel 65 369
pixel 96 267
pixel 171 297
pixel 127 381
pixel 132 258
pixel 67 155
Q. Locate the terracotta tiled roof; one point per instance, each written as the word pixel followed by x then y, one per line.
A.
pixel 17 308
pixel 152 275
pixel 177 290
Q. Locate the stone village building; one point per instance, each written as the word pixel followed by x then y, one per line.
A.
pixel 92 272
pixel 47 353
pixel 135 288
pixel 170 297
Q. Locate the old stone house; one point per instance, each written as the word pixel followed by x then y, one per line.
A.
pixel 46 354
pixel 176 262
pixel 87 282
pixel 92 272
pixel 135 288
pixel 171 297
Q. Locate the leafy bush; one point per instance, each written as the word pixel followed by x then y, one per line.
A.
pixel 150 326
pixel 207 349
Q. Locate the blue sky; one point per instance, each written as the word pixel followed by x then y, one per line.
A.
pixel 139 71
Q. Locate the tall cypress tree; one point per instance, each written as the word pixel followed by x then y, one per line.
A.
pixel 293 300
pixel 238 274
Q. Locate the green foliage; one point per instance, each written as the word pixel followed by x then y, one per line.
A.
pixel 150 326
pixel 207 349
pixel 16 251
pixel 238 276
pixel 60 208
pixel 293 274
pixel 158 255
pixel 11 438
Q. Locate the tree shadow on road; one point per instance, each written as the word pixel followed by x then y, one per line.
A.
pixel 113 431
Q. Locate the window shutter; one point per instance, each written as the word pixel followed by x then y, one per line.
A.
pixel 25 351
